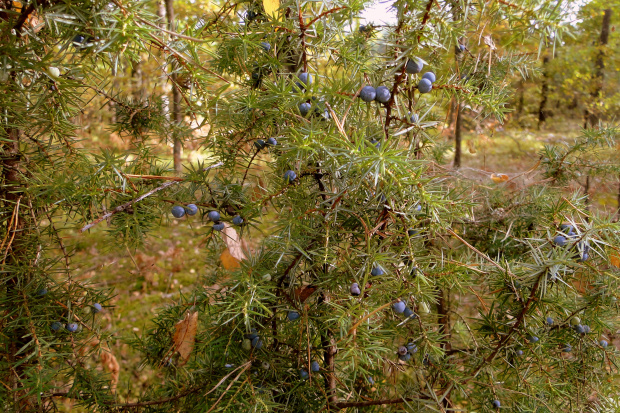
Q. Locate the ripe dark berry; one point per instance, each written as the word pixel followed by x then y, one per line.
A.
pixel 266 46
pixel 272 141
pixel 257 343
pixel 496 404
pixel 303 374
pixel 314 366
pixel 78 40
pixel 532 339
pixel 399 307
pixel 412 232
pixel 213 216
pixel 402 350
pixel 355 289
pixel 549 321
pixel 560 240
pixel 178 211
pixel 430 76
pixel 260 144
pixel 56 326
pixel 370 380
pixel 414 66
pixel 368 93
pixel 292 315
pixel 71 327
pixel 219 226
pixel 377 271
pixel 579 329
pixel 405 357
pixel 414 118
pixel 306 78
pixel 603 343
pixel 567 349
pixel 42 292
pixel 252 335
pixel 383 94
pixel 290 176
pixel 97 308
pixel 412 348
pixel 237 220
pixel 376 143
pixel 519 352
pixel 408 312
pixel 425 86
pixel 304 109
pixel 191 209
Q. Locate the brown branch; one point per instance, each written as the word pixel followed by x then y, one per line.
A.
pixel 325 13
pixel 427 15
pixel 344 405
pixel 165 178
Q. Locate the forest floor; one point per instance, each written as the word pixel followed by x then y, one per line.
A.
pixel 172 261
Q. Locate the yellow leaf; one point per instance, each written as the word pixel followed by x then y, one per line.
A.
pixel 499 178
pixel 184 336
pixel 228 261
pixel 271 7
pixel 615 259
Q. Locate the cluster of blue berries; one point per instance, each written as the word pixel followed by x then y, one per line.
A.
pixel 381 94
pixel 191 209
pixel 561 241
pixel 261 144
pixel 70 327
pixel 179 211
pixel 405 352
pixel 400 307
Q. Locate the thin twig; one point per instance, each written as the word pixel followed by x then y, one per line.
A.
pixel 121 208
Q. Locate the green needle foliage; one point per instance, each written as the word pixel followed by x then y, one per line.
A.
pixel 366 200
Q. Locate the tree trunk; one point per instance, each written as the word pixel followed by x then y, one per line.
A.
pixel 520 102
pixel 177 116
pixel 542 111
pixel 458 140
pixel 592 117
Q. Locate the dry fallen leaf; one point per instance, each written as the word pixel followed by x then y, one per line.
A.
pixel 110 364
pixel 184 336
pixel 233 242
pixel 499 178
pixel 615 259
pixel 304 292
pixel 228 261
pixel 489 42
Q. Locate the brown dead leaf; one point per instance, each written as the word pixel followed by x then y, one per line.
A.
pixel 184 336
pixel 228 261
pixel 110 364
pixel 304 292
pixel 614 258
pixel 233 242
pixel 489 42
pixel 499 178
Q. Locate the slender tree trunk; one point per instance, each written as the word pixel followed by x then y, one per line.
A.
pixel 458 140
pixel 542 111
pixel 520 88
pixel 165 88
pixel 177 116
pixel 592 117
